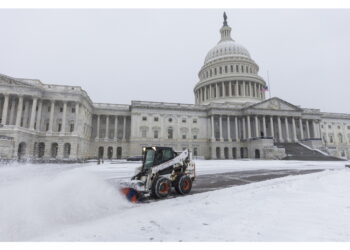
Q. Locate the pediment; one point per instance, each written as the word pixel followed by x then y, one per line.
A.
pixel 12 81
pixel 275 104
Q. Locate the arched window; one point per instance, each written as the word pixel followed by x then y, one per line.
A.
pixel 41 149
pixel 66 152
pixel 22 150
pixel 257 154
pixel 218 153
pixel 226 152
pixel 110 152
pixel 119 152
pixel 54 150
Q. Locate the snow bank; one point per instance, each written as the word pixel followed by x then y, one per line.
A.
pixel 312 207
pixel 35 203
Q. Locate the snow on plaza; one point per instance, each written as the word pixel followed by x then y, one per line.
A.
pixel 78 202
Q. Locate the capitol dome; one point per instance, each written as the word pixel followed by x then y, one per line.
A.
pixel 226 48
pixel 229 74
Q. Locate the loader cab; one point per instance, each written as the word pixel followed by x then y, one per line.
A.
pixel 154 156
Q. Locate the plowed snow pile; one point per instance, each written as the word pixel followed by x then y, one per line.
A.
pixel 37 204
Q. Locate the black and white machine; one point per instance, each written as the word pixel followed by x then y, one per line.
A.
pixel 162 169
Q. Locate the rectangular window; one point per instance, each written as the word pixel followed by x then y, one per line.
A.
pixel 144 118
pixel 155 134
pixel 59 127
pixel 231 68
pixel 71 128
pixel 194 120
pixel 144 133
pixel 73 110
pixel 225 69
pixel 47 126
pixel 237 69
pixel 183 120
pixel 156 119
pixel 184 136
pixel 61 109
pixel 195 137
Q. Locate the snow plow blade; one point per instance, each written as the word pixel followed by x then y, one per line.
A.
pixel 131 195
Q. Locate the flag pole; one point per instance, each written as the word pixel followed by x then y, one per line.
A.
pixel 268 83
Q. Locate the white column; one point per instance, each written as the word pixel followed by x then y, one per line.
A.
pixel 98 127
pixel 236 128
pixel 38 117
pixel 228 129
pixel 26 114
pixel 115 127
pixel 4 109
pixel 295 138
pixel 236 87
pixel 272 129
pixel 230 88
pixel 76 125
pixel 52 110
pixel 249 128
pixel 279 129
pixel 315 129
pixel 244 128
pixel 264 126
pixel 124 128
pixel 223 89
pixel 301 129
pixel 19 111
pixel 107 127
pixel 250 89
pixel 257 126
pixel 12 111
pixel 287 129
pixel 32 116
pixel 243 86
pixel 307 129
pixel 210 94
pixel 217 90
pixel 64 117
pixel 212 128
pixel 220 125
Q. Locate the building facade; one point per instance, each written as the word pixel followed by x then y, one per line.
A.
pixel 231 118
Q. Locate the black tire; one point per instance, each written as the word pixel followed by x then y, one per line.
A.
pixel 161 188
pixel 183 184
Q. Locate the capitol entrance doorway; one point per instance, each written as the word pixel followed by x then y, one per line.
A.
pixel 21 150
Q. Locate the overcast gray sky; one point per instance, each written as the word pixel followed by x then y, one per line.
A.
pixel 154 55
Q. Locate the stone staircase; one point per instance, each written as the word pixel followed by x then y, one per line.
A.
pixel 296 151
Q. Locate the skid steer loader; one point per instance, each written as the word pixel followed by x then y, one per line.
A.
pixel 162 169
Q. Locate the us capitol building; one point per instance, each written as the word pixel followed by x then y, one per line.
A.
pixel 231 118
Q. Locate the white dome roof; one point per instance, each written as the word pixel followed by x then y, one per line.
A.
pixel 226 48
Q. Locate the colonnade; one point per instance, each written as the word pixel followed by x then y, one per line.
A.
pixel 280 128
pixel 27 111
pixel 107 127
pixel 230 89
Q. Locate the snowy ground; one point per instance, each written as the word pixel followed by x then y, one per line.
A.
pixel 75 203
